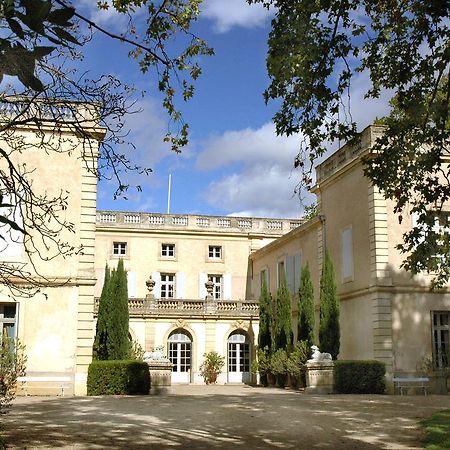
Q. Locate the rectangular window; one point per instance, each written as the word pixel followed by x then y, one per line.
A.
pixel 8 319
pixel 281 272
pixel 440 331
pixel 347 254
pixel 167 285
pixel 168 250
pixel 119 248
pixel 217 286
pixel 215 251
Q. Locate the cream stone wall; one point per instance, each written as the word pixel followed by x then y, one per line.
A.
pixel 56 324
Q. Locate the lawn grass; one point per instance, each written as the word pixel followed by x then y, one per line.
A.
pixel 437 431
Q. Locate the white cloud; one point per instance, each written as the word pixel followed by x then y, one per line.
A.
pixel 249 146
pixel 264 183
pixel 103 17
pixel 260 191
pixel 229 13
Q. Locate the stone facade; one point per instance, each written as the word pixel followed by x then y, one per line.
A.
pixel 385 313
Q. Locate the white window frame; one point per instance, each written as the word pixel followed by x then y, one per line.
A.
pixel 120 248
pixel 168 250
pixel 8 320
pixel 215 252
pixel 217 280
pixel 167 286
pixel 281 263
pixel 441 349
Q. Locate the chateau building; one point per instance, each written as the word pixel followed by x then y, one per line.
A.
pixel 171 261
pixel 194 281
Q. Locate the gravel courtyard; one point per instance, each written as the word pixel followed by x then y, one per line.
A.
pixel 220 417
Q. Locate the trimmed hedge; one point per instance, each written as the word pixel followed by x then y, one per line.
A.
pixel 359 377
pixel 118 378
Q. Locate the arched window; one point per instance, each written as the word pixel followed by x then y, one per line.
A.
pixel 238 357
pixel 180 350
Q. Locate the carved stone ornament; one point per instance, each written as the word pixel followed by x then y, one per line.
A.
pixel 180 323
pixel 150 283
pixel 240 325
pixel 209 287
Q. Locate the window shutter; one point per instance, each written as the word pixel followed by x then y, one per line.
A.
pixel 227 286
pixel 157 289
pixel 297 269
pixel 290 273
pixel 179 285
pixel 202 279
pixel 347 253
pixel 131 283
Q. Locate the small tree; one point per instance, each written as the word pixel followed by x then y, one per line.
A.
pixel 283 319
pixel 111 339
pixel 329 331
pixel 265 317
pixel 12 365
pixel 118 342
pixel 99 350
pixel 306 315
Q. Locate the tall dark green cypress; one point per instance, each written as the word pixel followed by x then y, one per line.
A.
pixel 329 331
pixel 265 317
pixel 99 349
pixel 283 319
pixel 306 314
pixel 118 343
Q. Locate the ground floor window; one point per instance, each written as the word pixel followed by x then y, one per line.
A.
pixel 441 332
pixel 180 350
pixel 8 319
pixel 238 357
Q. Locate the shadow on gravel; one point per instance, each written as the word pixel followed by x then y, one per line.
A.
pixel 217 421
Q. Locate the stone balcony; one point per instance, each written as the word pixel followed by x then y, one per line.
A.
pixel 151 307
pixel 197 223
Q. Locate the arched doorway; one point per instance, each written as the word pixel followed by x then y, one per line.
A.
pixel 239 357
pixel 180 351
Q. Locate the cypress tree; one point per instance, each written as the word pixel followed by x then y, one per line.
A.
pixel 265 317
pixel 283 319
pixel 306 315
pixel 118 343
pixel 329 331
pixel 99 349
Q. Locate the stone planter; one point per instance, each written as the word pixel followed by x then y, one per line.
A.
pixel 319 377
pixel 160 376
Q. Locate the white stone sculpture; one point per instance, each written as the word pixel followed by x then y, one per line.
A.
pixel 156 355
pixel 317 356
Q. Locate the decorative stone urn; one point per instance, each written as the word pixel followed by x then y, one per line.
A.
pixel 319 373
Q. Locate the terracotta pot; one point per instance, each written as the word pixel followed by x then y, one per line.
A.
pixel 271 380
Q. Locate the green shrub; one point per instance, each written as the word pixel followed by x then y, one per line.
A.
pixel 296 362
pixel 278 362
pixel 118 378
pixel 359 377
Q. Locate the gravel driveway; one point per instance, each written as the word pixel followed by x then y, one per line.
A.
pixel 220 417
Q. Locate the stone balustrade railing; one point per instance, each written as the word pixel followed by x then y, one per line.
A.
pixel 348 153
pixel 85 114
pixel 151 307
pixel 195 222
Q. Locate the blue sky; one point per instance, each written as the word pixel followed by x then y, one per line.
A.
pixel 234 163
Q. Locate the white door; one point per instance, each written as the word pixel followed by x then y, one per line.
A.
pixel 238 358
pixel 180 349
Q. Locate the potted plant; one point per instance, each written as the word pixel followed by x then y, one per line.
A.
pixel 211 367
pixel 296 364
pixel 262 365
pixel 278 365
